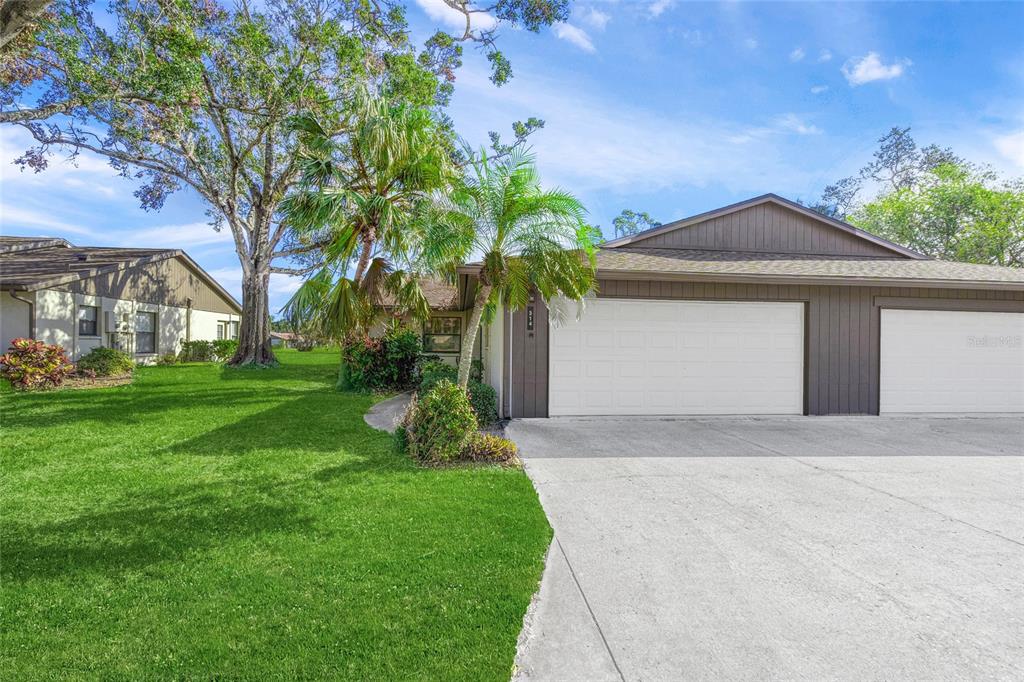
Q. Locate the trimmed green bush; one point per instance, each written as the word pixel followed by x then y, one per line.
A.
pixel 484 400
pixel 225 349
pixel 433 372
pixel 167 359
pixel 439 423
pixel 485 447
pixel 106 362
pixel 380 364
pixel 29 364
pixel 197 351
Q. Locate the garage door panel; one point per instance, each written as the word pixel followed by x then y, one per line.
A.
pixel 951 361
pixel 680 357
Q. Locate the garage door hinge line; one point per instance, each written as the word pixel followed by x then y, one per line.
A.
pixel 593 617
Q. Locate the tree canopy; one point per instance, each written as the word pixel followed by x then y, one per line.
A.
pixel 933 201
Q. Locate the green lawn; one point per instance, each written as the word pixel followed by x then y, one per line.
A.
pixel 242 524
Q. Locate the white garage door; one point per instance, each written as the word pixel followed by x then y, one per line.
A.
pixel 943 361
pixel 632 357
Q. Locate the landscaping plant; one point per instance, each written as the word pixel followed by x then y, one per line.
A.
pixel 29 364
pixel 197 351
pixel 484 400
pixel 380 364
pixel 529 240
pixel 439 423
pixel 486 447
pixel 106 362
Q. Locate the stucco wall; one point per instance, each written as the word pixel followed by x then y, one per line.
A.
pixel 14 318
pixel 57 315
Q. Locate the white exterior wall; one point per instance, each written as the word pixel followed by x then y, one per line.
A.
pixel 14 318
pixel 57 323
pixel 492 351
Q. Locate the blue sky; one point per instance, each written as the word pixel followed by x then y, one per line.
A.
pixel 669 107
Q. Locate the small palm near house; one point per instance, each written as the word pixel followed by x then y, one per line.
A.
pixel 204 522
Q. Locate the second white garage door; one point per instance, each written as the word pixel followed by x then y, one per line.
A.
pixel 951 361
pixel 638 357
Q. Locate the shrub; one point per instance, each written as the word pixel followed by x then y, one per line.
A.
pixel 433 372
pixel 106 362
pixel 386 363
pixel 485 447
pixel 439 423
pixel 167 359
pixel 484 400
pixel 30 364
pixel 224 349
pixel 197 351
pixel 476 370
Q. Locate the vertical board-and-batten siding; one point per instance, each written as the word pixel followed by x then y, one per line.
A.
pixel 766 228
pixel 842 325
pixel 525 390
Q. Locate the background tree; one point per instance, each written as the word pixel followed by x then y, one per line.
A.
pixel 526 238
pixel 631 222
pixel 953 212
pixel 200 94
pixel 933 201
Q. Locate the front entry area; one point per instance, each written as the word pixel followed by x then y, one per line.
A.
pixel 660 357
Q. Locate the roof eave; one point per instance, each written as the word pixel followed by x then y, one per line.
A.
pixel 809 280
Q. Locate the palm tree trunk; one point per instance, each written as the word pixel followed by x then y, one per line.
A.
pixel 483 292
pixel 364 256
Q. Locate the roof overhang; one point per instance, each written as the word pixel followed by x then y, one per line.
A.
pixel 849 281
pixel 764 199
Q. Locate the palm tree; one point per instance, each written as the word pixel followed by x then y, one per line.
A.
pixel 526 238
pixel 358 197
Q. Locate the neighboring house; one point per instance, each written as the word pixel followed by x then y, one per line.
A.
pixel 765 307
pixel 285 339
pixel 143 301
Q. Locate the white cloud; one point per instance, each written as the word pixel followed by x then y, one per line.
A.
pixel 658 7
pixel 14 220
pixel 595 18
pixel 825 55
pixel 859 71
pixel 694 36
pixel 818 89
pixel 751 43
pixel 187 236
pixel 1011 146
pixel 575 35
pixel 794 123
pixel 454 19
pixel 797 54
pixel 591 143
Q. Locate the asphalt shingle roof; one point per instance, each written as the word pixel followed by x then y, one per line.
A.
pixel 765 267
pixel 33 267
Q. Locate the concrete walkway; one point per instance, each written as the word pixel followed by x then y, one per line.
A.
pixel 743 549
pixel 384 415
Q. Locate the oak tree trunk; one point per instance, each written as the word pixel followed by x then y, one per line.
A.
pixel 483 292
pixel 254 332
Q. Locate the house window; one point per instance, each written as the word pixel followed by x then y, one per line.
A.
pixel 88 317
pixel 145 332
pixel 227 330
pixel 443 335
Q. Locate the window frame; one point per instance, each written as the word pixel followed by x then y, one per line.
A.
pixel 95 321
pixel 156 326
pixel 429 334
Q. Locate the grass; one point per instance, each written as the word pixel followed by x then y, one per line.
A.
pixel 210 523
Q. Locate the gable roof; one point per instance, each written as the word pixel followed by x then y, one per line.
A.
pixel 32 263
pixel 896 249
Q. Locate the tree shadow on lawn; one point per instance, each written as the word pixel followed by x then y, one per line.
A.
pixel 141 530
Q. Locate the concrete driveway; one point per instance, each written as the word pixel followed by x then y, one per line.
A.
pixel 778 548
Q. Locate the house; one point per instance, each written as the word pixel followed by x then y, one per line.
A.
pixel 143 301
pixel 286 340
pixel 764 307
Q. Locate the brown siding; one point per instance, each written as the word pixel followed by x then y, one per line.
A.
pixel 842 331
pixel 169 282
pixel 526 381
pixel 766 228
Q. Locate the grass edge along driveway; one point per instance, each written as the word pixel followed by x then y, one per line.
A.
pixel 209 522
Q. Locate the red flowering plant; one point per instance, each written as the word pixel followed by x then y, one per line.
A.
pixel 30 364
